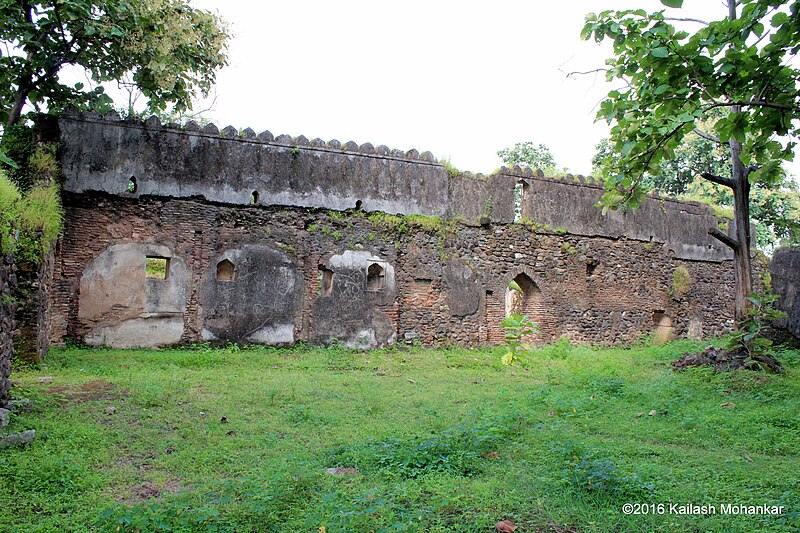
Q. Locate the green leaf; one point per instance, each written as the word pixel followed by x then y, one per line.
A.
pixel 672 3
pixel 7 160
pixel 661 51
pixel 628 147
pixel 661 89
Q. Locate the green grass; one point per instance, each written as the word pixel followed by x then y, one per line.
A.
pixel 446 440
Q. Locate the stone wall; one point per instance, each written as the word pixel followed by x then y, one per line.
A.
pixel 7 283
pixel 277 275
pixel 785 271
pixel 135 159
pixel 274 240
pixel 571 205
pixel 31 314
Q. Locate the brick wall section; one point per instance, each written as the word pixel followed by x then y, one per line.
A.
pixel 785 270
pixel 7 283
pixel 31 314
pixel 592 289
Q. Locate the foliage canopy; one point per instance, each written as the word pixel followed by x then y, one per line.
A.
pixel 529 155
pixel 674 80
pixel 30 222
pixel 164 48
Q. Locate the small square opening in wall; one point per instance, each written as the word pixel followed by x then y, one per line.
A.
pixel 156 267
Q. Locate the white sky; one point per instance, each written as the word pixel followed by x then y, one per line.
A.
pixel 462 79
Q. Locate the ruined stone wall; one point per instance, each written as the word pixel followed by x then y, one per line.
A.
pixel 275 240
pixel 7 283
pixel 570 204
pixel 107 154
pixel 785 271
pixel 277 275
pixel 31 309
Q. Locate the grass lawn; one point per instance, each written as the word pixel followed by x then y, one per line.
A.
pixel 426 440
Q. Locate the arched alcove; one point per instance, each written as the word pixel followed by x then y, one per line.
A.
pixel 663 330
pixel 226 271
pixel 375 277
pixel 325 281
pixel 523 296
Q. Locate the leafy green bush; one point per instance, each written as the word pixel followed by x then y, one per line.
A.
pixel 29 223
pixel 517 327
pixel 457 451
pixel 178 514
pixel 748 336
pixel 599 474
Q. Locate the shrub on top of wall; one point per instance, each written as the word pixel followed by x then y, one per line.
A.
pixel 681 282
pixel 29 223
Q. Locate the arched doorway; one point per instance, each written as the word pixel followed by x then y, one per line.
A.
pixel 524 297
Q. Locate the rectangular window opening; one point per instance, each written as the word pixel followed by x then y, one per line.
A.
pixel 156 267
pixel 325 281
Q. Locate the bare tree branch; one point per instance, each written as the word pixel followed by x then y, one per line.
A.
pixel 752 103
pixel 575 73
pixel 707 136
pixel 730 242
pixel 727 182
pixel 687 19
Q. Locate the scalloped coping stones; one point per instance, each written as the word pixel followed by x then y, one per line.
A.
pixel 229 131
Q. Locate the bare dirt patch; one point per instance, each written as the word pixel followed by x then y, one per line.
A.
pixel 151 491
pixel 92 390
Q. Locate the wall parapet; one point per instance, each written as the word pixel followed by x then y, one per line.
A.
pixel 134 158
pixel 131 158
pixel 571 205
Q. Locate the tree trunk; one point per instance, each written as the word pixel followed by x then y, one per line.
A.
pixel 15 112
pixel 741 212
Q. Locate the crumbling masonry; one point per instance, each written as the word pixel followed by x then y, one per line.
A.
pixel 177 235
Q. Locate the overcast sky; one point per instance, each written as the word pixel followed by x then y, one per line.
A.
pixel 461 79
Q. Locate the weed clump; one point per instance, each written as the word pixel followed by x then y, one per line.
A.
pixel 458 451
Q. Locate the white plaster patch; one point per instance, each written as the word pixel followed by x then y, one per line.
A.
pixel 361 260
pixel 138 333
pixel 207 335
pixel 363 340
pixel 274 334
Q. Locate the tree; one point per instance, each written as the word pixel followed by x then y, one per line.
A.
pixel 529 155
pixel 673 80
pixel 165 48
pixel 775 209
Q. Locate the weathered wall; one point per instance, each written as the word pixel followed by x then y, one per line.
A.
pixel 7 283
pixel 259 301
pixel 104 154
pixel 305 274
pixel 31 296
pixel 785 271
pixel 122 307
pixel 571 205
pixel 280 269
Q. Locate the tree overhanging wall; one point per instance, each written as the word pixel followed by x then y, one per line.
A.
pixel 276 240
